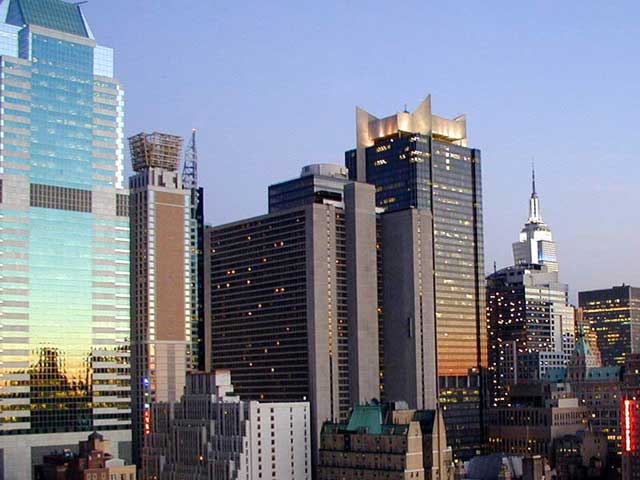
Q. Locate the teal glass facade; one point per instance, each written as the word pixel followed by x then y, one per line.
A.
pixel 64 227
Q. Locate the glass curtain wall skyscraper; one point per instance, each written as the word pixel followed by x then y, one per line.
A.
pixel 421 161
pixel 64 237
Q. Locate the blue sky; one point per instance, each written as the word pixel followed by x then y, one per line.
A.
pixel 273 86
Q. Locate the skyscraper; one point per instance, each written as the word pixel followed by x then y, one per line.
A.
pixel 536 245
pixel 64 254
pixel 421 161
pixel 614 317
pixel 282 313
pixel 530 322
pixel 161 291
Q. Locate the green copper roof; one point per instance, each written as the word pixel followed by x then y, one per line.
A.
pixel 369 417
pixel 603 373
pixel 53 14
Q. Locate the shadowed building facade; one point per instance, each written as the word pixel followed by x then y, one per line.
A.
pixel 64 238
pixel 294 299
pixel 421 161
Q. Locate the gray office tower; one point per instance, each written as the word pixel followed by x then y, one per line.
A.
pixel 613 315
pixel 420 162
pixel 294 299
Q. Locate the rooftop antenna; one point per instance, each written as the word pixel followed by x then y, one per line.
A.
pixel 533 176
pixel 190 168
pixel 405 108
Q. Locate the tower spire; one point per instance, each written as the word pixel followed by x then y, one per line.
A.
pixel 534 202
pixel 533 177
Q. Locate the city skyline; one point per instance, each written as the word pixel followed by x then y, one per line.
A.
pixel 494 73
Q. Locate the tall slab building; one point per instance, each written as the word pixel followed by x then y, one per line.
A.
pixel 421 161
pixel 324 299
pixel 64 238
pixel 161 289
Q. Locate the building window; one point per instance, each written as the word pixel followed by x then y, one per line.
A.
pixel 60 198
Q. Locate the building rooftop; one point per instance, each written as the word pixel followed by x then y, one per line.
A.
pixel 158 150
pixel 53 14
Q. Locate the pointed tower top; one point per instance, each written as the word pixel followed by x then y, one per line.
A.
pixel 533 177
pixel 534 203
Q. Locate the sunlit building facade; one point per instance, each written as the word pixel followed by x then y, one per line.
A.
pixel 418 160
pixel 64 237
pixel 613 315
pixel 161 266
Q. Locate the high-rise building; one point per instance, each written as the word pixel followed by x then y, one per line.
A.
pixel 536 245
pixel 614 317
pixel 530 323
pixel 161 289
pixel 421 161
pixel 210 434
pixel 386 441
pixel 64 237
pixel 282 313
pixel 539 414
pixel 294 301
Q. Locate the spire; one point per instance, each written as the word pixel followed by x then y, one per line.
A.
pixel 533 178
pixel 534 202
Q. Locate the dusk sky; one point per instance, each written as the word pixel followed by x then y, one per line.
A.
pixel 272 86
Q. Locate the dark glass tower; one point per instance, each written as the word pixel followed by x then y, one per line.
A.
pixel 422 161
pixel 613 314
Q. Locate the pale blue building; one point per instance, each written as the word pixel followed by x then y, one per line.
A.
pixel 64 238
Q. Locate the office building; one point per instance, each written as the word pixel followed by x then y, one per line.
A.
pixel 64 237
pixel 386 441
pixel 614 317
pixel 539 414
pixel 295 297
pixel 212 435
pixel 530 323
pixel 93 461
pixel 421 161
pixel 282 314
pixel 317 183
pixel 161 290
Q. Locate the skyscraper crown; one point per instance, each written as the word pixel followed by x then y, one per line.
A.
pixel 52 14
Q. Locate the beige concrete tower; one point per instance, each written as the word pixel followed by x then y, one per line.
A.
pixel 160 283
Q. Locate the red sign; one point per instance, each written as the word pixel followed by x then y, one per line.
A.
pixel 147 422
pixel 629 409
